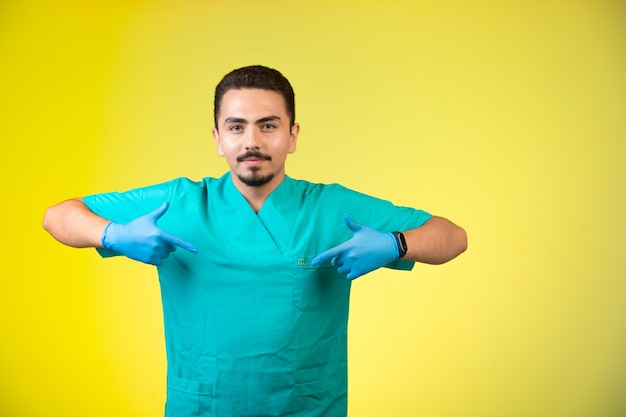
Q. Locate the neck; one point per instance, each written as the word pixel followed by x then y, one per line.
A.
pixel 256 195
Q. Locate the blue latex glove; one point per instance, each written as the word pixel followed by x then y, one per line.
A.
pixel 142 240
pixel 368 250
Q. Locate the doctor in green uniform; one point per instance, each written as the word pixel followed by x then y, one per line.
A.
pixel 255 267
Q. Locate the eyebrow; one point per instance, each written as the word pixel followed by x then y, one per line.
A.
pixel 267 119
pixel 244 121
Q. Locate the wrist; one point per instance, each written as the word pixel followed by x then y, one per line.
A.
pixel 105 240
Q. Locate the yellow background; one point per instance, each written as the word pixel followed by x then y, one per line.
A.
pixel 507 117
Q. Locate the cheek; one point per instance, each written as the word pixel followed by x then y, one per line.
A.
pixel 226 148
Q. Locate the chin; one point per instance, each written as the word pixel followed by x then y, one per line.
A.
pixel 255 180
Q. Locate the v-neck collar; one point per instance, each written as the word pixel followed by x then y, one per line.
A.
pixel 273 222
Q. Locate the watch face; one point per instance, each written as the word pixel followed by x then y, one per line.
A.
pixel 402 248
pixel 403 242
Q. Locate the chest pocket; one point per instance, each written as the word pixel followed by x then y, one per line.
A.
pixel 317 287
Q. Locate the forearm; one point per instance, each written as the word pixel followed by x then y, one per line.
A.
pixel 437 241
pixel 72 223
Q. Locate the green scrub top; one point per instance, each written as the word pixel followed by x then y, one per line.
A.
pixel 251 327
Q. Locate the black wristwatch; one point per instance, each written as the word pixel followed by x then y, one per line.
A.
pixel 401 241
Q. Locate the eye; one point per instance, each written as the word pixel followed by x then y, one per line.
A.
pixel 235 128
pixel 268 126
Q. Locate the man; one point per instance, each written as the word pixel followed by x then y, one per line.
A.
pixel 256 304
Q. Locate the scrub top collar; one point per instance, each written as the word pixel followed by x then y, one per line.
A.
pixel 276 216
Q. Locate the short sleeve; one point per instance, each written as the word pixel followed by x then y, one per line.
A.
pixel 122 207
pixel 382 215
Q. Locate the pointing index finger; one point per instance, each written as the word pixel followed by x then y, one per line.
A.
pixel 328 254
pixel 181 243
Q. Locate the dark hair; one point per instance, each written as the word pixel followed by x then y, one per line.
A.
pixel 256 76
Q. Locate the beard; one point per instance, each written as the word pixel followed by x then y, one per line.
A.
pixel 254 179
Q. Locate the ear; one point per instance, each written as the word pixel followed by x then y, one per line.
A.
pixel 295 131
pixel 218 142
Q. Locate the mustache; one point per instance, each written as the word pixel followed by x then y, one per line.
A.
pixel 253 154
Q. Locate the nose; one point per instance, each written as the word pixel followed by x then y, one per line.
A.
pixel 253 139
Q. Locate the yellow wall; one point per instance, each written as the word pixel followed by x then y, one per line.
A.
pixel 506 117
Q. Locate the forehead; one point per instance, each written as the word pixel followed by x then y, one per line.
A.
pixel 252 102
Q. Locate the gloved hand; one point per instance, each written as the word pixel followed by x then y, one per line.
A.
pixel 142 240
pixel 366 251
